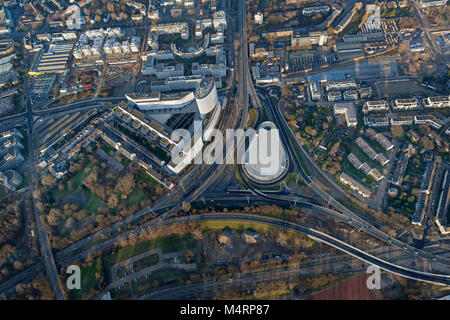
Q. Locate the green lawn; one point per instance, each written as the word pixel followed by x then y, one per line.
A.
pixel 352 27
pixel 94 203
pixel 167 275
pixel 146 262
pixel 78 178
pixel 272 187
pixel 123 293
pixel 123 161
pixel 239 226
pixel 377 147
pixel 252 116
pixel 168 244
pixel 395 12
pixel 294 177
pixel 106 147
pixel 77 181
pixel 363 157
pixel 299 156
pixel 264 3
pixel 149 180
pixel 347 166
pixel 162 276
pixel 88 281
pixel 402 205
pixel 4 191
pixel 135 197
pixel 236 174
pixel 264 116
pixel 25 183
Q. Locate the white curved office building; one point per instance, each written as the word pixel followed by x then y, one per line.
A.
pixel 158 101
pixel 206 96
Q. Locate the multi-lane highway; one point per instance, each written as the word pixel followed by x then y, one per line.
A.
pixel 46 251
pixel 334 264
pixel 24 117
pixel 441 279
pixel 73 253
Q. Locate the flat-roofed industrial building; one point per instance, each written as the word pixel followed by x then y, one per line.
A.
pixel 52 60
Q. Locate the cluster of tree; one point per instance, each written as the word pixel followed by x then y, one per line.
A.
pixel 117 10
pixel 391 222
pixel 407 23
pixel 104 187
pixel 286 91
pixel 263 290
pixel 100 221
pixel 39 289
pixel 276 13
pixel 439 16
pixel 179 229
pixel 276 19
pixel 315 120
pixel 57 216
pixel 62 221
pixel 415 290
pixel 394 11
pixel 48 180
pixel 10 220
pixel 275 289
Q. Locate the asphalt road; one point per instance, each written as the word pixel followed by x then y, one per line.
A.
pixel 441 279
pixel 72 253
pixel 340 264
pixel 46 251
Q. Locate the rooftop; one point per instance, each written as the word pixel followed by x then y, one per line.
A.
pixel 204 88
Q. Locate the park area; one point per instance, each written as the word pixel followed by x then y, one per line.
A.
pixel 187 253
pixel 93 194
pixel 137 257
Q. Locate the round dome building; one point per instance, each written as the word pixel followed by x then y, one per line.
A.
pixel 261 172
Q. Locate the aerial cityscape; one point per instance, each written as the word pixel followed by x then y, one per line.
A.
pixel 225 150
